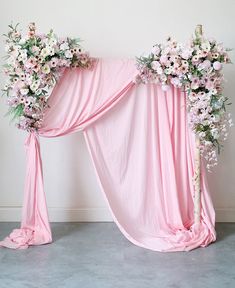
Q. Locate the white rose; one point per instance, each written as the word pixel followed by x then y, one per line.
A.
pixel 64 46
pixel 45 52
pixel 68 54
pixel 24 91
pixel 206 46
pixel 22 41
pixel 202 134
pixel 52 41
pixel 51 51
pixel 215 133
pixel 34 86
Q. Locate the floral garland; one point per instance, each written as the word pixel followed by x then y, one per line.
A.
pixel 34 64
pixel 197 68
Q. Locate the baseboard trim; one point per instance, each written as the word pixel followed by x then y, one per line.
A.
pixel 59 214
pixel 225 215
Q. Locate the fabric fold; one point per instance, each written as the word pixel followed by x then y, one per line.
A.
pixel 143 154
pixel 35 227
pixel 142 151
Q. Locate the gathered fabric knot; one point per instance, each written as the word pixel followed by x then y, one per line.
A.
pixel 18 239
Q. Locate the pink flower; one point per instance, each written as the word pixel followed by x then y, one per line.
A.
pixel 24 91
pixel 31 62
pixel 205 64
pixel 54 61
pixel 156 50
pixel 13 102
pixel 195 83
pixel 186 54
pixel 163 59
pixel 35 50
pixel 217 65
pixel 155 65
pixel 209 85
pixel 195 58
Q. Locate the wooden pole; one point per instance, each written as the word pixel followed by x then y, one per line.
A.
pixel 197 171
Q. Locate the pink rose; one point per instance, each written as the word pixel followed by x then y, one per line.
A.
pixel 206 64
pixel 209 85
pixel 217 65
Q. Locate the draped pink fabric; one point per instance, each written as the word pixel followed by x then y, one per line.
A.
pixel 142 152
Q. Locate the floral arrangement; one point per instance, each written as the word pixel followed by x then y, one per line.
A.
pixel 33 65
pixel 196 68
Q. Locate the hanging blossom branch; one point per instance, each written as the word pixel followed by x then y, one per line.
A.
pixel 33 65
pixel 196 68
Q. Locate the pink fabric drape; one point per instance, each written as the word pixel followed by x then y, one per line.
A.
pixel 142 151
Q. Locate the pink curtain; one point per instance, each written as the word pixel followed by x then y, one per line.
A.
pixel 142 152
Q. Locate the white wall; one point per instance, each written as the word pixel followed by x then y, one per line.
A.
pixel 110 28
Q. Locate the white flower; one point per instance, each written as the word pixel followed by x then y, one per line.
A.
pixel 202 134
pixel 64 46
pixel 31 99
pixel 45 52
pixel 52 41
pixel 46 69
pixel 22 41
pixel 206 46
pixel 68 54
pixel 22 58
pixel 51 50
pixel 215 133
pixel 208 143
pixel 34 86
pixel 24 91
pixel 186 53
pixel 29 79
pixel 38 92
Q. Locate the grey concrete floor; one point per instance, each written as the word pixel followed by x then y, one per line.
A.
pixel 96 255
